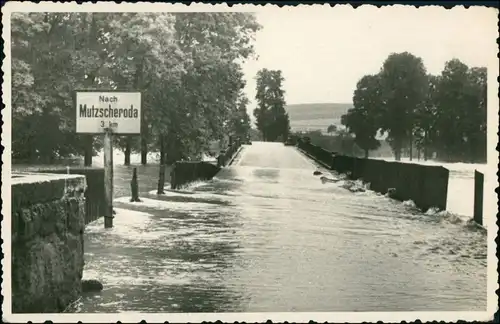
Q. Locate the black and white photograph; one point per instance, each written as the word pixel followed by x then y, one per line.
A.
pixel 204 162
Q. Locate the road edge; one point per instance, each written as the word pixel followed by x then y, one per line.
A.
pixel 324 165
pixel 238 151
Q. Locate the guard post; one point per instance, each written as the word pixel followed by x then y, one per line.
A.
pixel 109 113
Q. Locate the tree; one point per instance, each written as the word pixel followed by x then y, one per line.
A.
pixel 425 129
pixel 145 58
pixel 240 121
pixel 404 84
pixel 202 105
pixel 331 129
pixel 461 114
pixel 218 44
pixel 443 114
pixel 272 119
pixel 362 119
pixel 187 67
pixel 71 50
pixel 476 122
pixel 347 142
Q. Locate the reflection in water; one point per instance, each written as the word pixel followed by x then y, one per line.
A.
pixel 266 235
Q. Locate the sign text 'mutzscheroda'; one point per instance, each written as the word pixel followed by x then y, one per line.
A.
pixel 109 111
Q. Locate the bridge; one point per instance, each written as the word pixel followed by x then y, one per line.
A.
pixel 267 235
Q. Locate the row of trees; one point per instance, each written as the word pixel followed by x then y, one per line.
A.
pixel 186 65
pixel 271 118
pixel 442 115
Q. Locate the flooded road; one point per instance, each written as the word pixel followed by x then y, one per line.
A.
pixel 267 236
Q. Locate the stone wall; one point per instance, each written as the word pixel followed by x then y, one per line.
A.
pixel 94 177
pixel 48 220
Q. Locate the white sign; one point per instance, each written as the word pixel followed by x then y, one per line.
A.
pixel 119 111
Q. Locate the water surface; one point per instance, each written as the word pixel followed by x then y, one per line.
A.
pixel 267 236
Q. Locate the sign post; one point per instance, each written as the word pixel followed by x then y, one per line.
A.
pixel 109 113
pixel 108 177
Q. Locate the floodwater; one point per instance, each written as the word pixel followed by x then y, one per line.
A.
pixel 267 236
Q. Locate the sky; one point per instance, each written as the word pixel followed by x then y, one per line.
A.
pixel 324 51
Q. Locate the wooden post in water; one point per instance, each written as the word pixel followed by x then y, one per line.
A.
pixel 173 180
pixel 134 186
pixel 478 197
pixel 108 178
pixel 161 178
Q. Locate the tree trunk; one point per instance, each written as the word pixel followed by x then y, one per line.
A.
pixel 88 141
pixel 168 151
pixel 426 149
pixel 162 149
pixel 161 180
pixel 366 154
pixel 144 151
pixel 411 145
pixel 397 151
pixel 161 177
pixel 144 128
pixel 128 139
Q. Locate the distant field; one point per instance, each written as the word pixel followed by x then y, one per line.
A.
pixel 315 116
pixel 313 124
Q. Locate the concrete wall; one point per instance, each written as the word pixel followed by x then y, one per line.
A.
pixel 317 153
pixel 48 220
pixel 185 172
pixel 426 185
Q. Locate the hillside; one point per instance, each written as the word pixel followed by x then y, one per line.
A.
pixel 315 116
